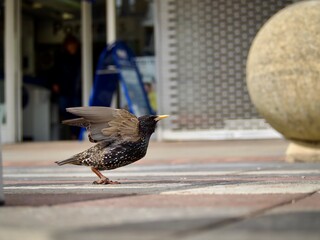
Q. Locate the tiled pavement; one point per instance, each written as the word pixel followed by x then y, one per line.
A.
pixel 203 190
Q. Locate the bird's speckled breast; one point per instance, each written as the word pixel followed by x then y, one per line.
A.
pixel 125 154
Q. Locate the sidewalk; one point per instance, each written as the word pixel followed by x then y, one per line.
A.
pixel 180 190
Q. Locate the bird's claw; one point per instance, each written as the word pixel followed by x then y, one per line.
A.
pixel 105 181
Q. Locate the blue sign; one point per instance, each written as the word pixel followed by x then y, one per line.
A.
pixel 117 65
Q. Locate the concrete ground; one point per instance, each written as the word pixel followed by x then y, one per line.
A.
pixel 180 190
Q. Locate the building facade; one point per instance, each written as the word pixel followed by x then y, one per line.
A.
pixel 202 48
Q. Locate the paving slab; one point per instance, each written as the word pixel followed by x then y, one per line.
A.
pixel 290 225
pixel 309 204
pixel 44 153
pixel 207 190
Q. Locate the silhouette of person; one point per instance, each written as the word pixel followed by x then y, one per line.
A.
pixel 67 81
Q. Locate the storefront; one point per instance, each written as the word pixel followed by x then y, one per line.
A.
pixel 32 34
pixel 201 51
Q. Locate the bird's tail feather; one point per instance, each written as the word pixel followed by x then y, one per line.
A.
pixel 71 160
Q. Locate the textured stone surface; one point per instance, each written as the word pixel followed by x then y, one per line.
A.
pixel 283 71
pixel 303 152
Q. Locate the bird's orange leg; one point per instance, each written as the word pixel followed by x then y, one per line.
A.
pixel 102 178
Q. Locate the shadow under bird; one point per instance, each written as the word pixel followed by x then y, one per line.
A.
pixel 121 138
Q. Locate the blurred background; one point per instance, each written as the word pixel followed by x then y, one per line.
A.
pixel 191 54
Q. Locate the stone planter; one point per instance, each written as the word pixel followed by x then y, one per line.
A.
pixel 283 77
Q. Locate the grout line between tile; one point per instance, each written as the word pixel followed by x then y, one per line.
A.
pixel 234 220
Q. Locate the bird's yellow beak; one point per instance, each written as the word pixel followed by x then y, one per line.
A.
pixel 159 117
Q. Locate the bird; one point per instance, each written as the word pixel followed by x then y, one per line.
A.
pixel 121 138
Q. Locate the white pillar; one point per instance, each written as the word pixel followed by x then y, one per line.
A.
pixel 19 70
pixel 86 39
pixel 111 37
pixel 12 53
pixel 111 21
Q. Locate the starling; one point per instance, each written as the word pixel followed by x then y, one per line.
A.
pixel 121 138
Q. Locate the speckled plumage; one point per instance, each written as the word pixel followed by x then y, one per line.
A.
pixel 121 138
pixel 107 156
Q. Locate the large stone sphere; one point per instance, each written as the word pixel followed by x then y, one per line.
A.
pixel 283 71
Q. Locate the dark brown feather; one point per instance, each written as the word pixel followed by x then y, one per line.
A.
pixel 78 122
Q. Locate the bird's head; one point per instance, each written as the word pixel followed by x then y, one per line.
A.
pixel 148 123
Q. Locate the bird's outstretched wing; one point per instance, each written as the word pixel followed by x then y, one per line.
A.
pixel 104 123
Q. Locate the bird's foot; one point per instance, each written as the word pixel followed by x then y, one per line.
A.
pixel 105 181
